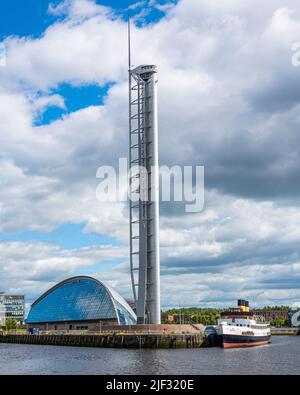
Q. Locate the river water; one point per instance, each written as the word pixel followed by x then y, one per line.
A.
pixel 280 357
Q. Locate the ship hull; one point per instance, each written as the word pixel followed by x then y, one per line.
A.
pixel 235 341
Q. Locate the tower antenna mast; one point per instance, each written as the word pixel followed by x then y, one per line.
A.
pixel 129 44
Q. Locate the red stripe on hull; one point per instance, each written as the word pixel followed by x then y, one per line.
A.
pixel 236 345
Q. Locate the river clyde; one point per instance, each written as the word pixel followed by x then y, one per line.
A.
pixel 282 356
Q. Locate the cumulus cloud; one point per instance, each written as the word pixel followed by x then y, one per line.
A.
pixel 33 266
pixel 77 9
pixel 229 100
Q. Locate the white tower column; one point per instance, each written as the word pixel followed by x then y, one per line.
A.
pixel 145 255
pixel 153 206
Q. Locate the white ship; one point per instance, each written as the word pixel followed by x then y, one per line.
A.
pixel 241 328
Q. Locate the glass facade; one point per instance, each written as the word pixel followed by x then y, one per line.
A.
pixel 81 299
pixel 12 307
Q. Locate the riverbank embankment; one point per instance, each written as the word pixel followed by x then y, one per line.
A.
pixel 285 331
pixel 110 340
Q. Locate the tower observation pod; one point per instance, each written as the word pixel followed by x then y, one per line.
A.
pixel 144 193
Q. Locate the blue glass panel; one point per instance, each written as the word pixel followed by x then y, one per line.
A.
pixel 124 316
pixel 75 300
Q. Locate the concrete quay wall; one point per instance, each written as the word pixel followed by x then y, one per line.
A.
pixel 110 341
pixel 285 331
pixel 157 329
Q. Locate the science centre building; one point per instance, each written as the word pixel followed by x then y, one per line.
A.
pixel 80 303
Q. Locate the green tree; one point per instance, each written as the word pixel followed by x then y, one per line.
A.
pixel 11 324
pixel 271 321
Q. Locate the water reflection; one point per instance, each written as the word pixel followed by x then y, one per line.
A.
pixel 280 357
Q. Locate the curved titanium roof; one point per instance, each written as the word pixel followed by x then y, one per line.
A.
pixel 78 299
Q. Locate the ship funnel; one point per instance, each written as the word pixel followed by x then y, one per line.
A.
pixel 243 305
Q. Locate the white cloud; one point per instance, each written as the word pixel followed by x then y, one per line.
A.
pixel 43 102
pixel 228 99
pixel 32 267
pixel 77 9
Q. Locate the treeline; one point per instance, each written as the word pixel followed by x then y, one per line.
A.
pixel 205 316
pixel 210 316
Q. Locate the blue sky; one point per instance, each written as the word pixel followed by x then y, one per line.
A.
pixel 70 236
pixel 75 98
pixel 24 18
pixel 31 17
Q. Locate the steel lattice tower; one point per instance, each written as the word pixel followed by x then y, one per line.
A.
pixel 144 192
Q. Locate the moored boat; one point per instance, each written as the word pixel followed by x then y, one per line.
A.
pixel 240 327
